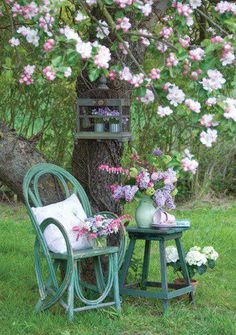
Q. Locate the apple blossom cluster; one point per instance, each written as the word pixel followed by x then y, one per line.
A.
pixel 164 111
pixel 193 105
pixel 172 60
pixel 175 95
pixel 26 76
pixel 28 11
pixel 188 163
pixel 196 54
pixel 49 73
pixel 230 109
pixel 226 7
pixel 31 35
pixel 123 24
pixel 227 56
pixel 208 137
pixel 214 81
pixel 207 120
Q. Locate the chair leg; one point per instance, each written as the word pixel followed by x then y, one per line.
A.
pixel 164 283
pixel 184 266
pixel 125 267
pixel 70 298
pixel 116 283
pixel 146 260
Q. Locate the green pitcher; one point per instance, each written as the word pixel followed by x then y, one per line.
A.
pixel 144 212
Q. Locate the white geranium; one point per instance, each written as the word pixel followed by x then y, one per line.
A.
pixel 195 257
pixel 172 255
pixel 210 253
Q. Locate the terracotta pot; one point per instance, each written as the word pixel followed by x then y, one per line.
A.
pixel 181 282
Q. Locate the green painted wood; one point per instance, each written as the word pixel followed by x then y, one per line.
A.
pixel 50 290
pixel 143 293
pixel 149 235
pixel 184 266
pixel 125 267
pixel 155 231
pixel 87 253
pixel 146 261
pixel 164 282
pixel 92 135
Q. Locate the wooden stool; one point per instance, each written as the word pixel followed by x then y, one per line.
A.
pixel 140 289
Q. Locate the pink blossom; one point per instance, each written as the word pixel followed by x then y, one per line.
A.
pixel 217 39
pixel 226 7
pixel 123 3
pixel 214 81
pixel 188 163
pixel 49 73
pixel 49 44
pixel 166 32
pixel 103 57
pixel 185 42
pixel 196 54
pixel 14 42
pixel 155 74
pixel 211 101
pixel 67 72
pixel 123 24
pixel 112 75
pixel 144 39
pixel 172 60
pixel 164 111
pixel 26 76
pixel 175 95
pixel 230 109
pixel 193 105
pixel 208 137
pixel 148 97
pixel 207 120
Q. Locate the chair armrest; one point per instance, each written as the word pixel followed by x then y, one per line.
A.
pixel 56 223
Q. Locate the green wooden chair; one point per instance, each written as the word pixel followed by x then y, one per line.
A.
pixel 47 183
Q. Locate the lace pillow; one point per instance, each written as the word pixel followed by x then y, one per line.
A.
pixel 69 213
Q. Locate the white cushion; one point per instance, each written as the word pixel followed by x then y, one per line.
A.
pixel 69 213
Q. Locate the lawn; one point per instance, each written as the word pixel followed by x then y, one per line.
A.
pixel 214 312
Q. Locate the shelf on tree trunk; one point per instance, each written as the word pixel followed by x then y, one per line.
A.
pixel 122 136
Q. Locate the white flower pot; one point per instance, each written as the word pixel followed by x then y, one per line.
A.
pixel 99 127
pixel 114 127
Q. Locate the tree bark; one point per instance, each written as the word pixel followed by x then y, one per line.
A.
pixel 17 155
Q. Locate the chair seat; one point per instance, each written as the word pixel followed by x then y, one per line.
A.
pixel 86 253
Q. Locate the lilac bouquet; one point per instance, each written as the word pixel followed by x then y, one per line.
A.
pixel 150 177
pixel 99 226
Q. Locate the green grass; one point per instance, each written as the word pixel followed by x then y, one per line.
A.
pixel 214 312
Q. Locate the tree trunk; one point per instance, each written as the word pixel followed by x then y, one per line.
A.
pixel 87 156
pixel 17 155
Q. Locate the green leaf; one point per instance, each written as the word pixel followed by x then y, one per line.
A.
pixel 94 73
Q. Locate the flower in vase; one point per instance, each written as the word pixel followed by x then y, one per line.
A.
pixel 196 258
pixel 210 253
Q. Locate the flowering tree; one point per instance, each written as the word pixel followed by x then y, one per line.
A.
pixel 179 60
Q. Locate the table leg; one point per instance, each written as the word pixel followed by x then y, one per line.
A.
pixel 146 260
pixel 125 267
pixel 164 283
pixel 183 265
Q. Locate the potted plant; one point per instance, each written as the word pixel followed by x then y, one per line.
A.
pixel 198 261
pixel 149 181
pixel 114 121
pixel 99 120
